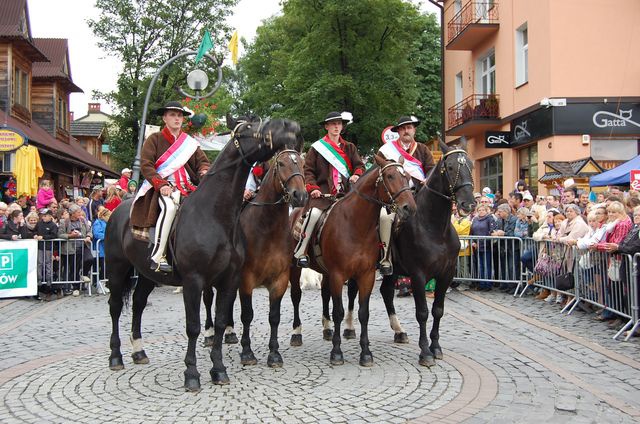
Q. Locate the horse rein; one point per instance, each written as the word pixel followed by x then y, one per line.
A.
pixel 285 197
pixel 453 186
pixel 392 197
pixel 266 139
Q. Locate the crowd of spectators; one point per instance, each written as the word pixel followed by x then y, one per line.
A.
pixel 608 221
pixel 68 231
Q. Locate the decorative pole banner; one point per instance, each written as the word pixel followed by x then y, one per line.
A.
pixel 233 47
pixel 205 45
pixel 18 268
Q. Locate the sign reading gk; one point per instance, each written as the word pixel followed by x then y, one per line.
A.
pixel 18 261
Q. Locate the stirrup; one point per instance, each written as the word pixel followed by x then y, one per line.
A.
pixel 386 269
pixel 161 266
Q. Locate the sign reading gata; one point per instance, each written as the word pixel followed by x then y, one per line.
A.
pixel 605 119
pixel 497 139
pixel 10 139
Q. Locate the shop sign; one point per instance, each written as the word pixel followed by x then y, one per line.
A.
pixel 497 139
pixel 634 179
pixel 10 139
pixel 609 119
pixel 531 127
pixel 18 270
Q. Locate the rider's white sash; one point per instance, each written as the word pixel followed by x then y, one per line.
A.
pixel 411 165
pixel 331 156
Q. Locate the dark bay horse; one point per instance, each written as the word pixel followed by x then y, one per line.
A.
pixel 426 246
pixel 264 221
pixel 208 247
pixel 350 247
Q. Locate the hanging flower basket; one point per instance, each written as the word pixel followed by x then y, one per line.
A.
pixel 205 120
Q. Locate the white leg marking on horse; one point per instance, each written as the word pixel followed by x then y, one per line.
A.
pixel 326 324
pixel 208 332
pixel 136 344
pixel 297 330
pixel 349 321
pixel 395 324
pixel 229 330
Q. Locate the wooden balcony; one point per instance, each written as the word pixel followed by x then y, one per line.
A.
pixel 476 21
pixel 476 113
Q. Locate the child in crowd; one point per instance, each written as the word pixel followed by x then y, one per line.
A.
pixel 99 227
pixel 45 195
pixel 46 229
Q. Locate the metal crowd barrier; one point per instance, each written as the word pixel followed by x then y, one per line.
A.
pixel 80 266
pixel 489 260
pixel 607 281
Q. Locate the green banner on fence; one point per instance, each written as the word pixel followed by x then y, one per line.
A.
pixel 18 261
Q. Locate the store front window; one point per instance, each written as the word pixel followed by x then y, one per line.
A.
pixel 528 167
pixel 611 153
pixel 491 173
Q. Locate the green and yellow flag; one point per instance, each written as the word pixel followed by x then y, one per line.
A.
pixel 233 47
pixel 205 45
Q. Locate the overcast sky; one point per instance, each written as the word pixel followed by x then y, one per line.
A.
pixel 91 68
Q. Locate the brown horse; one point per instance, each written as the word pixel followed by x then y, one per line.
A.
pixel 350 248
pixel 264 221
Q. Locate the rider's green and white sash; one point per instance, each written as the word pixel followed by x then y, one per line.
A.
pixel 334 155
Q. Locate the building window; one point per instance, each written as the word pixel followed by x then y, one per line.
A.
pixel 6 163
pixel 458 92
pixel 522 55
pixel 528 159
pixel 487 67
pixel 20 88
pixel 611 153
pixel 63 114
pixel 491 173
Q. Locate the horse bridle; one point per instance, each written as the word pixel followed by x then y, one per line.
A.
pixel 265 139
pixel 286 197
pixel 453 184
pixel 392 197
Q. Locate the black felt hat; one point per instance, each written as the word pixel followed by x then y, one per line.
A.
pixel 406 120
pixel 345 117
pixel 173 105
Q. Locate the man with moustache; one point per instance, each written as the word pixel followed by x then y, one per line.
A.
pixel 418 161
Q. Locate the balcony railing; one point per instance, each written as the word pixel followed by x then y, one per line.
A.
pixel 475 107
pixel 475 12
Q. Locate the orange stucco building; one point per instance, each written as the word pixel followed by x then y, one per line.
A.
pixel 535 81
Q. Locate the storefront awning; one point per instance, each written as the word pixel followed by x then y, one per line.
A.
pixel 72 152
pixel 616 176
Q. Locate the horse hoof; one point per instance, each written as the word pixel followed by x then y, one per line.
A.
pixel 208 341
pixel 219 377
pixel 192 384
pixel 274 360
pixel 437 352
pixel 349 333
pixel 296 340
pixel 116 364
pixel 401 338
pixel 327 334
pixel 366 360
pixel 248 359
pixel 140 358
pixel 427 360
pixel 336 359
pixel 230 338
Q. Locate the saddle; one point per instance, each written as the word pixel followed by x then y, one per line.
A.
pixel 315 237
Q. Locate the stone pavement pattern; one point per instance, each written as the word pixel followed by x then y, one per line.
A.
pixel 506 360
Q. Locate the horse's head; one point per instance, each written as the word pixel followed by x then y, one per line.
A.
pixel 457 169
pixel 290 181
pixel 394 190
pixel 257 141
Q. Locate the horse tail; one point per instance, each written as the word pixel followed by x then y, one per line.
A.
pixel 127 287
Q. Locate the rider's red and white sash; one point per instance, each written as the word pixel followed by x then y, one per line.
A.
pixel 393 151
pixel 172 163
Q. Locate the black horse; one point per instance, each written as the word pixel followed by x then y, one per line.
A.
pixel 207 246
pixel 426 246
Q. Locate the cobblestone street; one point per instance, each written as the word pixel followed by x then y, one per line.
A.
pixel 505 360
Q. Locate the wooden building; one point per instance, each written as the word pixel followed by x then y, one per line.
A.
pixel 35 84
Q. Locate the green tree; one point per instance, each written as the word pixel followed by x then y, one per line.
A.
pixel 144 34
pixel 370 57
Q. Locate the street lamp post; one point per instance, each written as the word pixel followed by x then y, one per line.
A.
pixel 197 81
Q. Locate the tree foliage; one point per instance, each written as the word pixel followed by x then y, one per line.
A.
pixel 378 59
pixel 144 34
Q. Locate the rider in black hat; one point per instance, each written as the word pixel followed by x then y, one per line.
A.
pixel 418 160
pixel 159 195
pixel 330 166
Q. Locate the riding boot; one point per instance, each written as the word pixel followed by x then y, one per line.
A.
pixel 300 254
pixel 384 229
pixel 168 208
